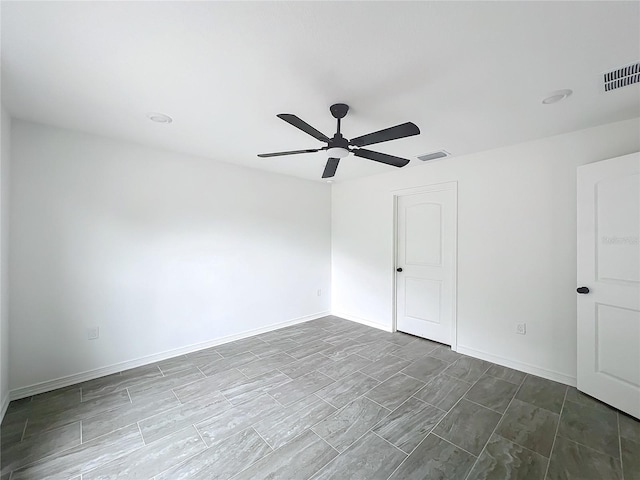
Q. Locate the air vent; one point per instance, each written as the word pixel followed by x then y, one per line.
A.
pixel 622 77
pixel 434 155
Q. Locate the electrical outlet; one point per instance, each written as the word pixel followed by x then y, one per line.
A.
pixel 93 333
pixel 319 292
pixel 521 328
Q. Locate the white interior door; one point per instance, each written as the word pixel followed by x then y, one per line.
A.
pixel 426 263
pixel 609 267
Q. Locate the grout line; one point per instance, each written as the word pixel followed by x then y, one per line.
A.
pixel 24 430
pixel 451 443
pixel 201 438
pixel 397 448
pixel 620 445
pixel 263 439
pixel 142 436
pixel 566 391
pixel 484 406
pixel 493 432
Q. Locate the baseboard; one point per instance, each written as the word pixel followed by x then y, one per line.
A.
pixel 158 357
pixel 521 366
pixel 3 406
pixel 363 321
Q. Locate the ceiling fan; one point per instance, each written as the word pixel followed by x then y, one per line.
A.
pixel 339 147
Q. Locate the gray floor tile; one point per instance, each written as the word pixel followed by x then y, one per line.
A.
pixel 630 459
pixel 592 427
pixel 530 426
pixel 409 424
pixel 416 349
pixel 162 384
pixel 370 458
pixel 629 427
pixel 178 418
pixel 394 391
pixel 347 425
pixel 492 393
pixel 265 365
pixel 542 393
pixel 502 459
pixel 443 391
pixel 346 390
pixel 304 350
pixel 175 365
pixel 85 457
pixel 337 353
pixel 435 459
pixel 309 450
pixel 507 374
pixel 46 419
pixel 16 455
pixel 445 353
pixel 425 369
pixel 377 350
pixel 222 423
pixel 468 369
pixel 204 356
pixel 254 387
pixel 209 385
pixel 292 421
pixel 13 426
pixel 575 396
pixel 240 346
pixel 222 460
pixel 295 390
pixel 306 365
pixel 119 381
pixel 345 367
pixel 210 368
pixel 386 367
pixel 570 460
pixel 468 426
pixel 151 459
pixel 127 414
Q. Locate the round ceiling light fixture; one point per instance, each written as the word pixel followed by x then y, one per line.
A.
pixel 159 117
pixel 337 152
pixel 557 96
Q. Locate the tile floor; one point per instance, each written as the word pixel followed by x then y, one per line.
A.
pixel 320 400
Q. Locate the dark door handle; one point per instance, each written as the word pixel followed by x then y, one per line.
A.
pixel 583 290
pixel 399 269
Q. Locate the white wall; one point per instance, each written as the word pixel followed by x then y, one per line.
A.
pixel 5 134
pixel 160 250
pixel 516 245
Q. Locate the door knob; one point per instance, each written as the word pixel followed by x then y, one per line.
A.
pixel 583 290
pixel 399 269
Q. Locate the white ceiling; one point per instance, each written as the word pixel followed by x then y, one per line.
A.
pixel 471 75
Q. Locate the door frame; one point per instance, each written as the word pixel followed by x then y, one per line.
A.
pixel 436 187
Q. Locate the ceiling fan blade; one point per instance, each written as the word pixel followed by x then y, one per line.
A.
pixel 330 168
pixel 380 157
pixel 399 131
pixel 292 152
pixel 304 126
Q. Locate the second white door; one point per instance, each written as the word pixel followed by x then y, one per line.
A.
pixel 426 263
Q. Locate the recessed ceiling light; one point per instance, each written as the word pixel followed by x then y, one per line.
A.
pixel 557 96
pixel 159 117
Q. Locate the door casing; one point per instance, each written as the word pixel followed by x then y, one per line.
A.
pixel 412 191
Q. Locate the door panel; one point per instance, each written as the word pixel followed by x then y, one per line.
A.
pixel 609 265
pixel 426 252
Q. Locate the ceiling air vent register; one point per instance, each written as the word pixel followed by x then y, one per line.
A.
pixel 434 155
pixel 622 77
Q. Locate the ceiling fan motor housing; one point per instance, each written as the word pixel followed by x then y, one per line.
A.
pixel 339 110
